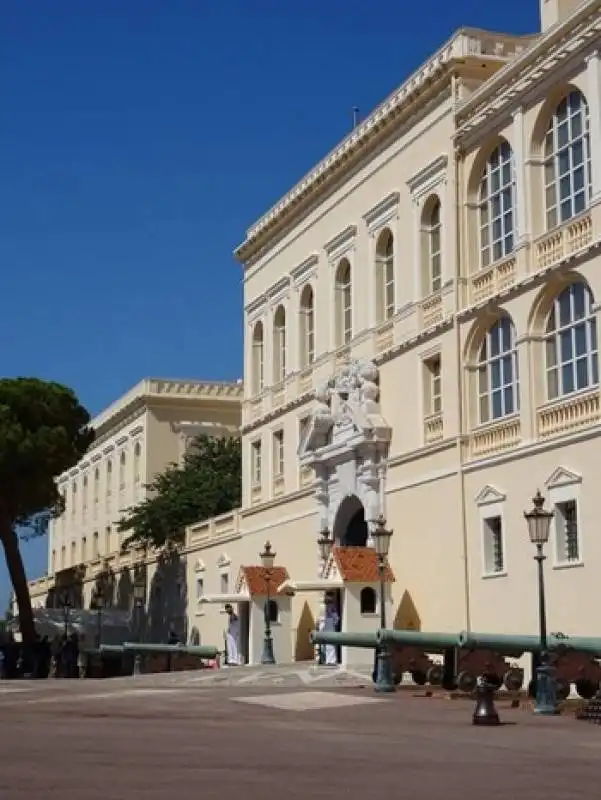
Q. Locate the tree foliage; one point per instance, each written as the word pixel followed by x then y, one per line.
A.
pixel 206 484
pixel 44 430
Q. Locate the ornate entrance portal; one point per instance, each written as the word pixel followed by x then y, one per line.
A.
pixel 346 444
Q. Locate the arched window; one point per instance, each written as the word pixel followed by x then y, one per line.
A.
pixel 258 359
pixel 73 497
pixel 279 345
pixel 571 342
pixel 122 463
pixel 367 600
pixel 307 321
pixel 137 460
pixel 96 484
pixel 431 246
pixel 109 478
pixel 567 156
pixel 496 204
pixel 498 386
pixel 385 276
pixel 84 494
pixel 272 612
pixel 344 304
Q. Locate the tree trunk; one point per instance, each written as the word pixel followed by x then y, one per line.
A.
pixel 16 570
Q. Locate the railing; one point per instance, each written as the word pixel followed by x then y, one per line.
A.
pixel 492 280
pixel 431 312
pixel 433 428
pixel 223 525
pixel 278 486
pixel 572 237
pixel 568 414
pixel 495 437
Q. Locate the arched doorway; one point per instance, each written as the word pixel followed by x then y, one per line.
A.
pixel 350 527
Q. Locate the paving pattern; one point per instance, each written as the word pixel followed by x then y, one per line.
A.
pixel 169 736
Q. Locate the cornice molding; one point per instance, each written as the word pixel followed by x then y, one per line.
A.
pixel 342 242
pixel 305 269
pixel 509 85
pixel 423 183
pixel 382 212
pixel 465 44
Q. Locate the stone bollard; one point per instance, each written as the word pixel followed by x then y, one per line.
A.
pixel 54 667
pixel 137 665
pixel 485 712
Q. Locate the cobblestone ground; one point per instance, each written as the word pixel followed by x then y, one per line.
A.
pixel 172 737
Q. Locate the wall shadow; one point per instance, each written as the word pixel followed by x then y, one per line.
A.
pixel 168 599
pixel 407 617
pixel 68 586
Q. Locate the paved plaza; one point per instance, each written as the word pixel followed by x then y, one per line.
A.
pixel 177 736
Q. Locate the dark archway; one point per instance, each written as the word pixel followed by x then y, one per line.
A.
pixel 350 527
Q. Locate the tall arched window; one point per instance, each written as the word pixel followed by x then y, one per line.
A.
pixel 122 464
pixel 498 385
pixel 431 246
pixel 307 322
pixel 496 204
pixel 344 304
pixel 96 485
pixel 258 359
pixel 385 276
pixel 109 482
pixel 137 462
pixel 571 342
pixel 279 344
pixel 567 156
pixel 84 495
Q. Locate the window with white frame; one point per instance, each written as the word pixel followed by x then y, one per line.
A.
pixel 256 463
pixel 224 583
pixel 258 359
pixel 96 490
pixel 567 535
pixel 494 555
pixel 279 344
pixel 431 246
pixel 109 482
pixel 498 380
pixel 84 496
pixel 278 454
pixel 200 588
pixel 122 467
pixel 73 498
pixel 385 276
pixel 496 206
pixel 567 155
pixel 344 305
pixel 307 321
pixel 433 385
pixel 571 342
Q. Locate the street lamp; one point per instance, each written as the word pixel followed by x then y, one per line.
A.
pixel 267 561
pixel 381 537
pixel 325 544
pixel 65 601
pixel 98 605
pixel 139 597
pixel 539 525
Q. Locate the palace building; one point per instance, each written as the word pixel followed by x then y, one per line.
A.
pixel 421 315
pixel 137 437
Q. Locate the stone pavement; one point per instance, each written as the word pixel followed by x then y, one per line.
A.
pixel 168 736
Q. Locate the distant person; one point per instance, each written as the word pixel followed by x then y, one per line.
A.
pixel 232 638
pixel 331 621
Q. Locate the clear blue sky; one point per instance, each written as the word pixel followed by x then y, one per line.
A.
pixel 139 139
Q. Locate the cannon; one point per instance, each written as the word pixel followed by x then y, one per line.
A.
pixel 412 652
pixel 575 658
pixel 364 640
pixel 168 657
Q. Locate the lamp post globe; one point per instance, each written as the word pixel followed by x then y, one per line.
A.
pixel 267 557
pixel 539 527
pixel 381 537
pixel 325 544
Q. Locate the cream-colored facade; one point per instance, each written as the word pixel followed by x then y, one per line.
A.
pixel 137 437
pixel 421 316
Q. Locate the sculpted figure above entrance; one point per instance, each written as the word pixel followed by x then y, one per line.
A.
pixel 346 443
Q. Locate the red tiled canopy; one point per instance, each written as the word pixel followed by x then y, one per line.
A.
pixel 256 579
pixel 359 565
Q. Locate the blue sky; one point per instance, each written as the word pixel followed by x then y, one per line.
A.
pixel 140 138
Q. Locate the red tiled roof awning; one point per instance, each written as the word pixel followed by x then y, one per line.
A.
pixel 255 578
pixel 359 565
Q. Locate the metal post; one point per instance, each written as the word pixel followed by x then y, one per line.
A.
pixel 384 680
pixel 546 689
pixel 99 626
pixel 268 655
pixel 66 619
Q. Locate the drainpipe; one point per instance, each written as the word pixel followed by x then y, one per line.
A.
pixel 458 179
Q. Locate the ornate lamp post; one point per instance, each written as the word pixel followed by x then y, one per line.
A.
pixel 539 524
pixel 325 542
pixel 98 605
pixel 381 537
pixel 139 597
pixel 267 561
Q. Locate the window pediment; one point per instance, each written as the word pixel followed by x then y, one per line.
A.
pixel 488 495
pixel 224 561
pixel 562 477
